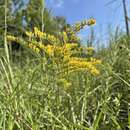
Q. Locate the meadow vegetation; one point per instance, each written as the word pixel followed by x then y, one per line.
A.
pixel 50 81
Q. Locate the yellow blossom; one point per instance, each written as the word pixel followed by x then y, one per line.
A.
pixel 71 45
pixel 29 34
pixel 38 33
pixel 86 65
pixel 35 30
pixel 94 71
pixel 44 35
pixel 37 50
pixel 30 45
pixel 34 47
pixel 49 50
pixel 65 37
pixel 90 49
pixel 11 38
pixel 95 61
pixel 41 46
pixel 91 22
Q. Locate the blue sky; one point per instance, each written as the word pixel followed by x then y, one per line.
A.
pixel 104 13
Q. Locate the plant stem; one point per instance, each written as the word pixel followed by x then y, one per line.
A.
pixel 43 4
pixel 126 16
pixel 6 46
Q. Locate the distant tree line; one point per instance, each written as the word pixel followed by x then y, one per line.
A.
pixel 21 17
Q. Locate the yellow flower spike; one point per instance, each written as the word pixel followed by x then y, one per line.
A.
pixel 90 49
pixel 37 50
pixel 98 61
pixel 66 57
pixel 48 36
pixel 67 46
pixel 33 47
pixel 52 39
pixel 49 50
pixel 35 30
pixel 94 71
pixel 71 45
pixel 91 22
pixel 58 51
pixel 11 38
pixel 65 37
pixel 41 46
pixel 44 35
pixel 95 61
pixel 30 45
pixel 39 34
pixel 80 64
pixel 29 34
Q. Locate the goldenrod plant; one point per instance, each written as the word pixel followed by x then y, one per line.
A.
pixel 60 51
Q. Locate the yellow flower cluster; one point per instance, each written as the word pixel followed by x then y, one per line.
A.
pixel 54 50
pixel 68 49
pixel 65 51
pixel 34 47
pixel 49 49
pixel 29 34
pixel 71 31
pixel 70 46
pixel 62 50
pixel 95 61
pixel 90 49
pixel 74 38
pixel 38 33
pixel 65 37
pixel 91 22
pixel 78 26
pixel 11 38
pixel 94 71
pixel 71 36
pixel 42 35
pixel 52 39
pixel 79 64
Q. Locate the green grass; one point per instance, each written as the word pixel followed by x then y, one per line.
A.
pixel 38 98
